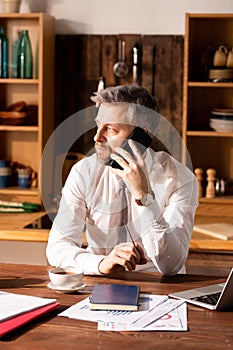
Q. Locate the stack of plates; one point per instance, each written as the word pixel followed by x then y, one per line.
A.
pixel 222 120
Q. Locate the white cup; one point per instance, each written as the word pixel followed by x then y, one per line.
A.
pixel 65 277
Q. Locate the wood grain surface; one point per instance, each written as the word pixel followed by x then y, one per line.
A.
pixel 207 329
pixel 80 60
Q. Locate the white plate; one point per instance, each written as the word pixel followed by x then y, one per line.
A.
pixel 221 121
pixel 223 111
pixel 66 290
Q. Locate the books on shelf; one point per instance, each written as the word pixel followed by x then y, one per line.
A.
pixel 114 297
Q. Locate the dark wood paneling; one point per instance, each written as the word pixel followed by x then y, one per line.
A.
pixel 82 59
pixel 209 263
pixel 162 74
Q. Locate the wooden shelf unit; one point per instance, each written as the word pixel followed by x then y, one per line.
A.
pixel 25 143
pixel 207 148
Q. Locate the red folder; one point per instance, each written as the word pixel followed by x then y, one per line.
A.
pixel 15 322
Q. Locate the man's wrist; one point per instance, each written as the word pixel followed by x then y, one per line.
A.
pixel 101 273
pixel 146 199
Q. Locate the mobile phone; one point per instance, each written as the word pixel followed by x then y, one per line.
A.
pixel 142 140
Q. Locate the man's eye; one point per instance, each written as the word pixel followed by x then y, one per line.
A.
pixel 111 129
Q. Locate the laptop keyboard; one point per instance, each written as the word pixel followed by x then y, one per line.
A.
pixel 211 299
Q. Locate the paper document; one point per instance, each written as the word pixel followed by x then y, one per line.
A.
pixel 81 311
pixel 155 312
pixel 175 320
pixel 16 304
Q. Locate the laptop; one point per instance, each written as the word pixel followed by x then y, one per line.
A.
pixel 213 297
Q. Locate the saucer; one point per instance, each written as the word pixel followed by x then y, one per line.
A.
pixel 66 290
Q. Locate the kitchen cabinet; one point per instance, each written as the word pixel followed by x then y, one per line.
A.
pixel 25 143
pixel 207 148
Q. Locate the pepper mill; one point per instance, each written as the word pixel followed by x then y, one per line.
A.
pixel 210 189
pixel 199 175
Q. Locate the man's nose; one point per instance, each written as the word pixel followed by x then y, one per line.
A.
pixel 100 135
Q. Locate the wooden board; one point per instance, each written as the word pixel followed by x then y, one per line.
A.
pixel 218 230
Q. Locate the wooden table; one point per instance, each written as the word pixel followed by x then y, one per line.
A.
pixel 207 256
pixel 207 329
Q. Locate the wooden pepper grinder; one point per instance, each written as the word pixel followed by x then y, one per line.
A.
pixel 199 175
pixel 210 189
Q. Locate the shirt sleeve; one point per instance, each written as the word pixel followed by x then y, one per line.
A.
pixel 167 231
pixel 64 248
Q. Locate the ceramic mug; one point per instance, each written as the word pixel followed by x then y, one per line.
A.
pixel 25 177
pixel 230 59
pixel 24 180
pixel 220 56
pixel 5 173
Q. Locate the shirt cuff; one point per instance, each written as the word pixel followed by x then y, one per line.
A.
pixel 91 264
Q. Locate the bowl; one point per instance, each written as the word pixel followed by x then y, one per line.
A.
pixel 65 277
pixel 224 113
pixel 13 118
pixel 221 125
pixel 218 75
pixel 19 106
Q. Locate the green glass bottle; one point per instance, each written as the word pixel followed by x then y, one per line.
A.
pixel 15 55
pixel 3 54
pixel 24 57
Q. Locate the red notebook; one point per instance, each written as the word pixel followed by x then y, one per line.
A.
pixel 17 321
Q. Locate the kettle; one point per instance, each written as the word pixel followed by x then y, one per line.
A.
pixel 220 56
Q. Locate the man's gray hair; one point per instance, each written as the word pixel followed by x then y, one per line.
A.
pixel 142 108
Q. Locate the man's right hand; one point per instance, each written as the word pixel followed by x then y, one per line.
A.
pixel 124 256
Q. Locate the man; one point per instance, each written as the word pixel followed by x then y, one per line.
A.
pixel 137 216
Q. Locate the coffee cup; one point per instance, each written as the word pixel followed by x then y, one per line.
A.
pixel 25 177
pixel 65 278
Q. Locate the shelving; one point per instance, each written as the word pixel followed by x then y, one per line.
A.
pixel 24 143
pixel 207 148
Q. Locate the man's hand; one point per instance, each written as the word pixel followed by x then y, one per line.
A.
pixel 134 172
pixel 124 256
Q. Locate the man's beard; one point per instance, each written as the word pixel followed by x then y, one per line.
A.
pixel 103 151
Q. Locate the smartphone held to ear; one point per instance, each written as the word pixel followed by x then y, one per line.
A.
pixel 142 140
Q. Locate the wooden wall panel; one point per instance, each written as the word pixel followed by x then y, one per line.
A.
pixel 82 59
pixel 163 74
pixel 107 58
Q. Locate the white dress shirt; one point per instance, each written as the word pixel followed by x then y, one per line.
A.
pixel 97 201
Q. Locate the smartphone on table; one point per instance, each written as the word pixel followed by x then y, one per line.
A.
pixel 142 140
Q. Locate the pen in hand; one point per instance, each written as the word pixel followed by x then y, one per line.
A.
pixel 143 260
pixel 128 231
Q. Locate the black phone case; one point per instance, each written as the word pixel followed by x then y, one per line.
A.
pixel 142 141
